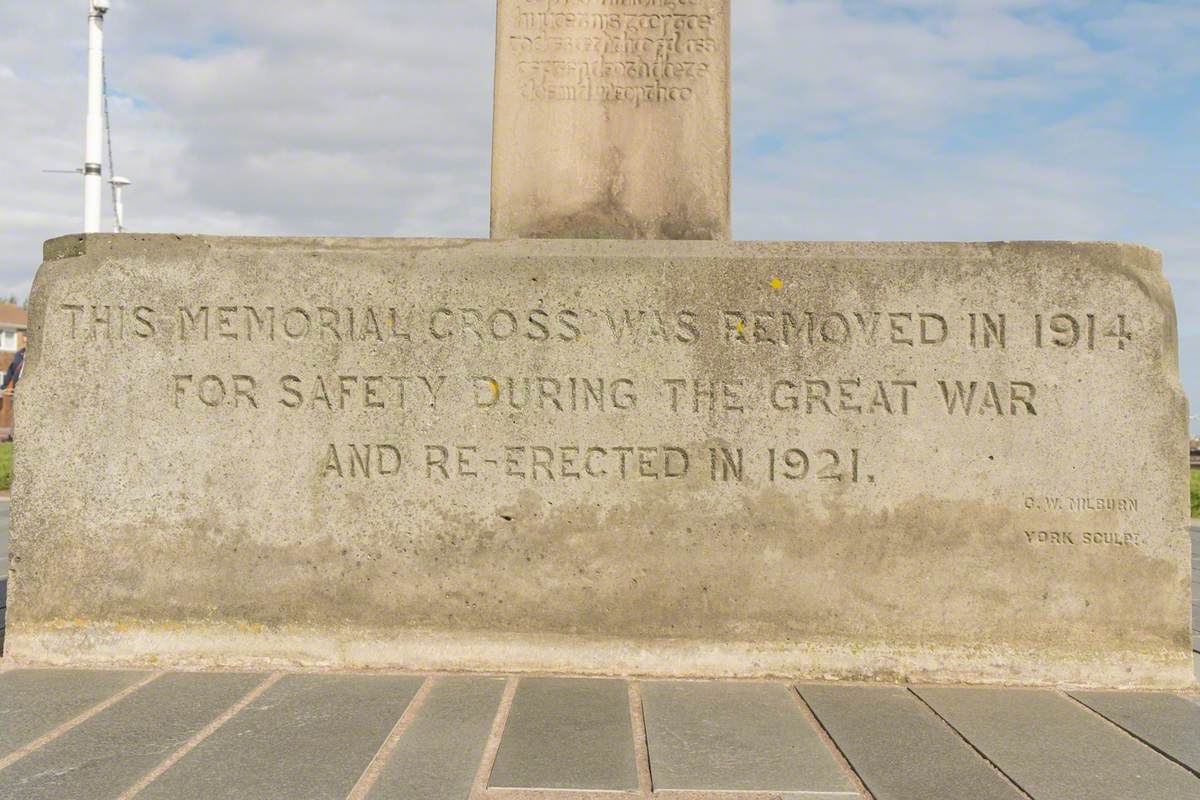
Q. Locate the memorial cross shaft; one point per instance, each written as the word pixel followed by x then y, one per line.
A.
pixel 611 120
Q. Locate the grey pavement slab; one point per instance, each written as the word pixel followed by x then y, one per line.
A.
pixel 1055 749
pixel 109 753
pixel 736 737
pixel 1166 722
pixel 900 749
pixel 438 756
pixel 36 701
pixel 308 737
pixel 565 733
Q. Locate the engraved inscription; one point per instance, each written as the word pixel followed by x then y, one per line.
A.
pixel 581 461
pixel 412 369
pixel 635 52
pixel 1096 538
pixel 770 328
pixel 599 394
pixel 1081 504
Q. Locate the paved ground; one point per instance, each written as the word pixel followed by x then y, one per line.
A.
pixel 94 735
pixel 1196 595
pixel 178 736
pixel 91 735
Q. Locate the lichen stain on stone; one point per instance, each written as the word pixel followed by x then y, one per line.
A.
pixel 607 216
pixel 604 218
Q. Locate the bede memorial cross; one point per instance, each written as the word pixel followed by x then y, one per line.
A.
pixel 939 462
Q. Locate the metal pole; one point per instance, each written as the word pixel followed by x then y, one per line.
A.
pixel 93 183
pixel 118 186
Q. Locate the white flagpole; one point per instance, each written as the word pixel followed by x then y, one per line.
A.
pixel 93 183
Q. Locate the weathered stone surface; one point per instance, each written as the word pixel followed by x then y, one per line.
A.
pixel 611 120
pixel 731 458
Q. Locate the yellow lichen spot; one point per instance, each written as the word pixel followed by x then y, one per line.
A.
pixel 776 283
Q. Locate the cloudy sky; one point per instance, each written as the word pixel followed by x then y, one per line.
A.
pixel 853 119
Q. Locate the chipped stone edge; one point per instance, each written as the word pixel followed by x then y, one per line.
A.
pixel 199 646
pixel 1109 255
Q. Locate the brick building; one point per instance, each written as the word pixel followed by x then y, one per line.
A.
pixel 13 325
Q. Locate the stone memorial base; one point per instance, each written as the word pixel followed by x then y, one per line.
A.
pixel 934 462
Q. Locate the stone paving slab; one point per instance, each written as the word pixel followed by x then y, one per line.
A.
pixel 735 737
pixel 109 753
pixel 878 729
pixel 565 733
pixel 438 756
pixel 1166 722
pixel 1055 749
pixel 34 702
pixel 308 737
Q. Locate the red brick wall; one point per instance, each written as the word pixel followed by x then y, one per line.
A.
pixel 6 410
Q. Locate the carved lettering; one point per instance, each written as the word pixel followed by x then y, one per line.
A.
pixel 608 51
